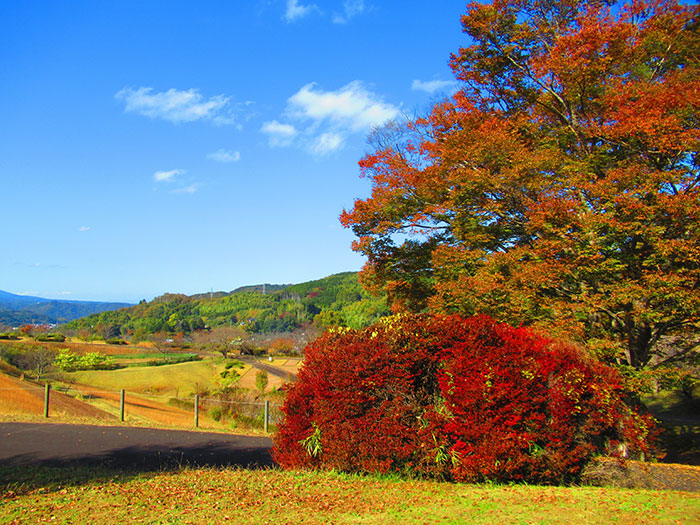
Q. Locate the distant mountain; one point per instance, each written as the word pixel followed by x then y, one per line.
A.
pixel 23 309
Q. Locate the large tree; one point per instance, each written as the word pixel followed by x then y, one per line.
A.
pixel 560 187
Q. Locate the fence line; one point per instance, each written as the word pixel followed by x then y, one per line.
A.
pixel 197 401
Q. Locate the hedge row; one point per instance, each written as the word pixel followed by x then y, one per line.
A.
pixel 454 398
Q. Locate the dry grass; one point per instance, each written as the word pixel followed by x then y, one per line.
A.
pixel 141 409
pixel 290 365
pixel 247 380
pixel 17 396
pixel 24 397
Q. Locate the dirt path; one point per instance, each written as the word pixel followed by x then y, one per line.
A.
pixel 127 447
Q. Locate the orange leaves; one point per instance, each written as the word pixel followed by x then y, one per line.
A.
pixel 561 186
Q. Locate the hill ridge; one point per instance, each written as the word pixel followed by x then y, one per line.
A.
pixel 18 309
pixel 337 299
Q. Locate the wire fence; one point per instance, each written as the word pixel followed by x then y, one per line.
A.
pixel 258 413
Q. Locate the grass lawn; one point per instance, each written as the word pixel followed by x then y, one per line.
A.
pixel 81 495
pixel 168 380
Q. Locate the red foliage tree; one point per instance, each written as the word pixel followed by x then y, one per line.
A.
pixel 463 399
pixel 560 186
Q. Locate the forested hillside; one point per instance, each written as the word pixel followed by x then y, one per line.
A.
pixel 335 300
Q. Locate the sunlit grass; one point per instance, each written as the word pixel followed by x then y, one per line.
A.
pixel 16 397
pixel 180 379
pixel 270 496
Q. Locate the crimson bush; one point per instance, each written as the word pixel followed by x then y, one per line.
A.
pixel 454 398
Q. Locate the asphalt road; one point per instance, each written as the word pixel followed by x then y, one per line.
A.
pixel 127 447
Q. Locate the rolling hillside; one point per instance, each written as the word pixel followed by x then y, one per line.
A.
pixel 334 300
pixel 23 309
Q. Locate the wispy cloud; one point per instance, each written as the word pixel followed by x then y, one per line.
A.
pixel 84 228
pixel 52 266
pixel 351 8
pixel 327 143
pixel 434 86
pixel 224 156
pixel 166 176
pixel 279 134
pixel 192 188
pixel 295 10
pixel 177 106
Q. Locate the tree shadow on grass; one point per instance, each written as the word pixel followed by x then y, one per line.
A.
pixel 25 473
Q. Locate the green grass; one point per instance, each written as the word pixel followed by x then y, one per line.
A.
pixel 81 495
pixel 167 380
pixel 150 355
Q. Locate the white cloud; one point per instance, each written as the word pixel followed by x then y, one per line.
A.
pixel 296 10
pixel 176 106
pixel 65 293
pixel 327 143
pixel 433 86
pixel 84 229
pixel 187 189
pixel 279 134
pixel 166 176
pixel 351 8
pixel 321 121
pixel 352 106
pixel 224 156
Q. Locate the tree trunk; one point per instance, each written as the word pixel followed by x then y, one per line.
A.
pixel 638 344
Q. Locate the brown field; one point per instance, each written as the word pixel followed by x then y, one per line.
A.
pixel 84 348
pixel 140 407
pixel 25 397
pixel 290 365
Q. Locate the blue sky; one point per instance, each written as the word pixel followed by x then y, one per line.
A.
pixel 165 146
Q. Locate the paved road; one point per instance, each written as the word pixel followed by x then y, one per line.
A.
pixel 127 447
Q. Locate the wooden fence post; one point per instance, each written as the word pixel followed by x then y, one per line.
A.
pixel 121 405
pixel 267 415
pixel 47 391
pixel 196 410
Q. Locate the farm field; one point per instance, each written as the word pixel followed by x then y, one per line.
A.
pixel 82 347
pixel 266 496
pixel 180 379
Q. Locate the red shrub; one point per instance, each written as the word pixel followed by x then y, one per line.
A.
pixel 463 399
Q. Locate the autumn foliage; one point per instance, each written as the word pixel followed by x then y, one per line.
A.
pixel 454 398
pixel 560 187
